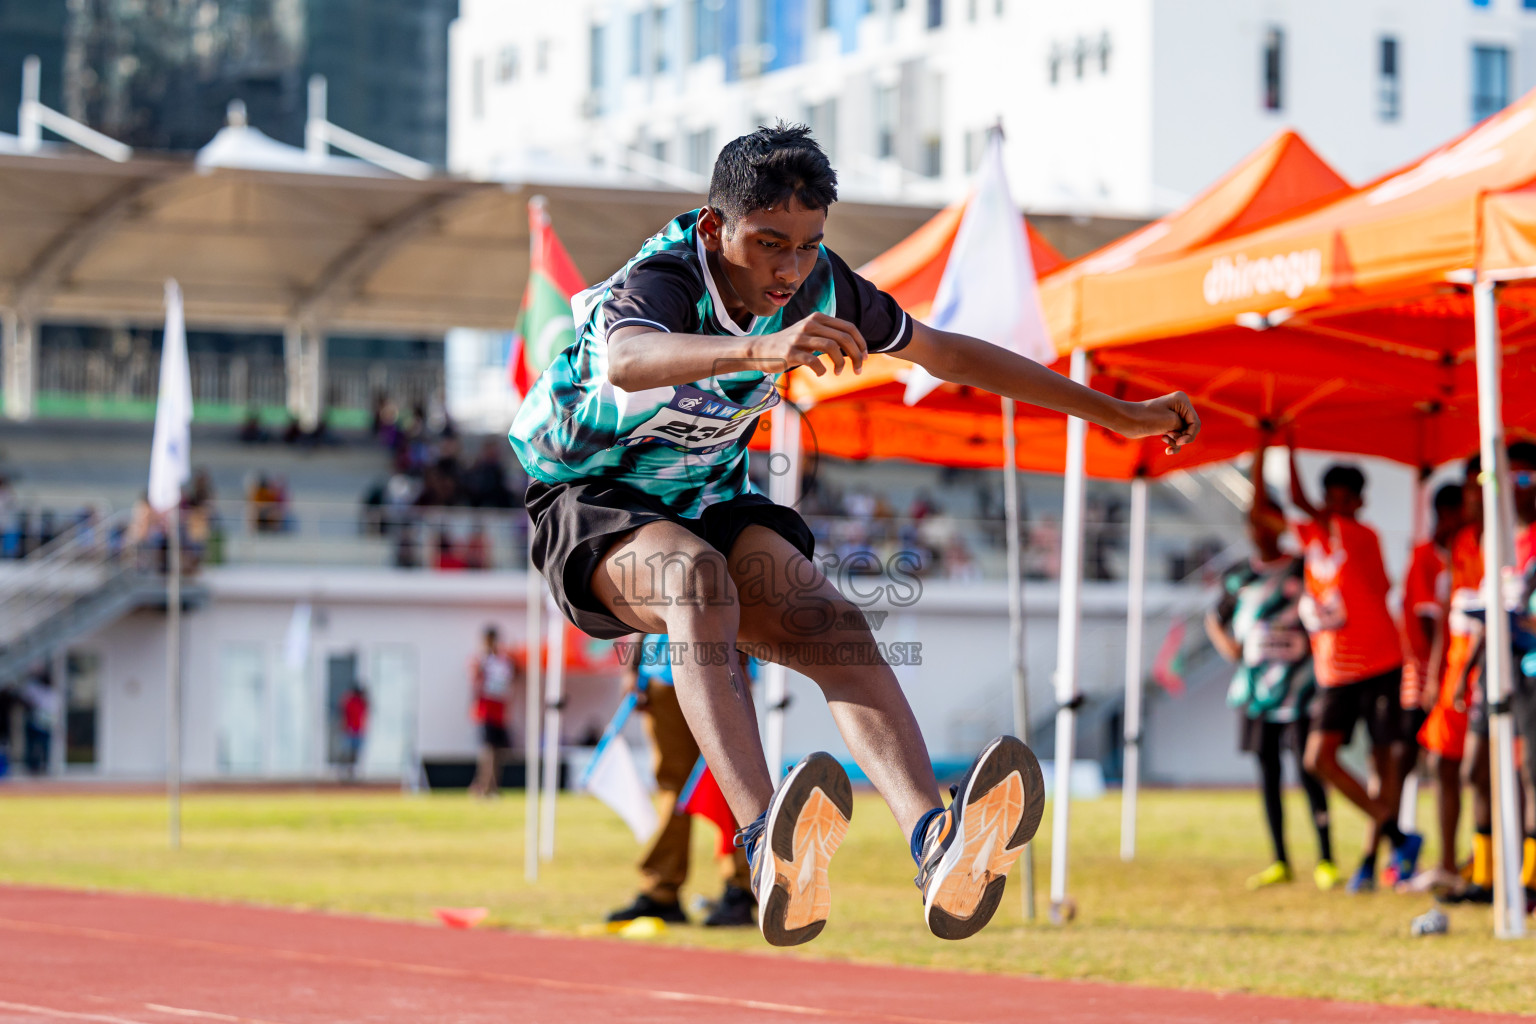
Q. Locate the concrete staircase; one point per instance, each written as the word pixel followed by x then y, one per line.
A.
pixel 74 586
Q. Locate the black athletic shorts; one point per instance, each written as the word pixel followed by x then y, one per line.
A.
pixel 494 735
pixel 1412 722
pixel 1377 700
pixel 1250 733
pixel 575 525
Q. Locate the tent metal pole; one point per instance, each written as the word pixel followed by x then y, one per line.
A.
pixel 173 673
pixel 1134 623
pixel 1069 627
pixel 18 357
pixel 1016 617
pixel 1508 894
pixel 532 706
pixel 784 489
pixel 554 701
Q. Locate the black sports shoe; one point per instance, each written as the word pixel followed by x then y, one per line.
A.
pixel 791 845
pixel 970 847
pixel 646 906
pixel 733 910
pixel 1473 893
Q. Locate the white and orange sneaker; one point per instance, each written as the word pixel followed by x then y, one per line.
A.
pixel 970 846
pixel 790 846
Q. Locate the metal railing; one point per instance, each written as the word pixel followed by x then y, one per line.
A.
pixel 258 379
pixel 85 559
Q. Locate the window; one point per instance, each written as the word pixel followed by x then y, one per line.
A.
pixel 885 122
pixel 477 88
pixel 636 44
pixel 1105 49
pixel 823 13
pixel 933 156
pixel 541 56
pixel 506 64
pixel 1274 56
pixel 1053 65
pixel 822 119
pixel 935 13
pixel 1388 83
pixel 1080 58
pixel 999 8
pixel 701 151
pixel 1490 81
pixel 660 151
pixel 595 41
pixel 971 10
pixel 706 27
pixel 660 39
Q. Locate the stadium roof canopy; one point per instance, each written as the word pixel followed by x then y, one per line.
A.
pixel 272 242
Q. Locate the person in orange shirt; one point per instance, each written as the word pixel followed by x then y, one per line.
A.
pixel 1357 656
pixel 1426 596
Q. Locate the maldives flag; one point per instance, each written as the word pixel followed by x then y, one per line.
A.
pixel 546 326
pixel 701 796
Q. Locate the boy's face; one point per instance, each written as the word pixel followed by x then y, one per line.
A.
pixel 1341 501
pixel 1266 525
pixel 766 255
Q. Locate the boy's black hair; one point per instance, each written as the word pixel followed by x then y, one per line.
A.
pixel 1474 467
pixel 768 166
pixel 1346 476
pixel 1523 452
pixel 1448 499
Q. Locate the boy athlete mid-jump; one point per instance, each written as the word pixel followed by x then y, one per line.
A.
pixel 644 521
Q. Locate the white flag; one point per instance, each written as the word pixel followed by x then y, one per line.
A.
pixel 170 458
pixel 296 642
pixel 612 778
pixel 988 290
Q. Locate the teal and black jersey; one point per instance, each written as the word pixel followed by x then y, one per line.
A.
pixel 1258 605
pixel 684 445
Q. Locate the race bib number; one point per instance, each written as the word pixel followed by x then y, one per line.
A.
pixel 697 422
pixel 1266 645
pixel 1323 613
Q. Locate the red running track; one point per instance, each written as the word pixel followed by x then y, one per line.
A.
pixel 111 959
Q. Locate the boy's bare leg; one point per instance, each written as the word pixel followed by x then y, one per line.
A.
pixel 1322 760
pixel 1448 799
pixel 792 613
pixel 663 579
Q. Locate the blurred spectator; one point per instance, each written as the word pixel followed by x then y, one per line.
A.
pixel 958 563
pixel 200 521
pixel 146 536
pixel 493 675
pixel 477 549
pixel 266 505
pixel 354 727
pixel 447 555
pixel 251 430
pixel 42 706
pixel 484 484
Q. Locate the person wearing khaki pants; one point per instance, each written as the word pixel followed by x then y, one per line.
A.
pixel 664 864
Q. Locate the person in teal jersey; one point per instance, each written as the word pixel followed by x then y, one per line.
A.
pixel 644 520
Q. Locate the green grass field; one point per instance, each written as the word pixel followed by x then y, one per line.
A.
pixel 1178 917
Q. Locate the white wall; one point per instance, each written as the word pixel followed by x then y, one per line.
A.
pixel 1207 79
pixel 960 692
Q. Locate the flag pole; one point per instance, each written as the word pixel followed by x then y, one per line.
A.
pixel 784 489
pixel 1508 894
pixel 532 708
pixel 1016 617
pixel 1135 619
pixel 1069 627
pixel 173 672
pixel 554 702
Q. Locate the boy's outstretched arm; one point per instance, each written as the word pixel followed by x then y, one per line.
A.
pixel 965 360
pixel 1298 492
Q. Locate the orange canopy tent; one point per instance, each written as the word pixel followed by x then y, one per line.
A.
pixel 1366 303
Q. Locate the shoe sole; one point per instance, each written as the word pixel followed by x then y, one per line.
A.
pixel 999 812
pixel 807 821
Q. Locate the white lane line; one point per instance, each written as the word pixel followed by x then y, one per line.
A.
pixel 46 1011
